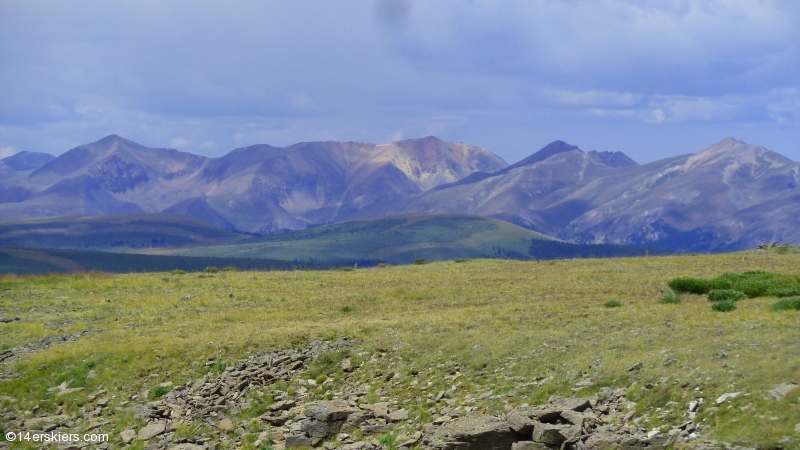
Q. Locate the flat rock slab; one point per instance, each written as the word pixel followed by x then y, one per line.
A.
pixel 127 436
pixel 550 434
pixel 479 432
pixel 329 411
pixel 782 390
pixel 186 446
pixel 152 430
pixel 530 445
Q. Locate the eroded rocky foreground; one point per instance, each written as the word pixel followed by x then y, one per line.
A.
pixel 210 413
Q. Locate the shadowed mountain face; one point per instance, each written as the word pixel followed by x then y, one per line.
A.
pixel 258 189
pixel 27 160
pixel 730 196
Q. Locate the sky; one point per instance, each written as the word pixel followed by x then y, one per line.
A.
pixel 651 78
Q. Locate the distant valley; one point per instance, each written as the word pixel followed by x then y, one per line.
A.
pixel 729 196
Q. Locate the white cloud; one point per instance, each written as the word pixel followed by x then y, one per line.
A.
pixel 591 98
pixel 7 151
pixel 179 142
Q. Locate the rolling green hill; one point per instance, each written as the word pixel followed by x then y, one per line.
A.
pixel 403 239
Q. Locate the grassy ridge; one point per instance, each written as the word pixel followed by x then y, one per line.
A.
pixel 402 239
pixel 525 328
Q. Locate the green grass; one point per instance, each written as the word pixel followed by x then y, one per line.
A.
pixel 718 295
pixel 670 299
pixel 613 304
pixel 787 304
pixel 499 324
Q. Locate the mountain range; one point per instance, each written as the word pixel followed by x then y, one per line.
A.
pixel 729 196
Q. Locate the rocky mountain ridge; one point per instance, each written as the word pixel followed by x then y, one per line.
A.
pixel 730 196
pixel 258 189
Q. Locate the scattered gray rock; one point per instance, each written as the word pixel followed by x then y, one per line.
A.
pixel 727 396
pixel 782 390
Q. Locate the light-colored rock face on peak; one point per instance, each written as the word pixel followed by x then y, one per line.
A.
pixel 730 151
pixel 430 162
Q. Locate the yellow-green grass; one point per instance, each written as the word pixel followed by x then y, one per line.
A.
pixel 525 329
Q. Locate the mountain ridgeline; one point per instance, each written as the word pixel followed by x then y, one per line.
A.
pixel 730 196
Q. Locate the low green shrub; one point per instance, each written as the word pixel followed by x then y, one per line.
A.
pixel 612 304
pixel 178 272
pixel 690 285
pixel 784 292
pixel 346 309
pixel 158 392
pixel 759 283
pixel 787 304
pixel 718 295
pixel 461 260
pixel 420 261
pixel 388 441
pixel 211 269
pixel 671 298
pixel 723 306
pixel 229 269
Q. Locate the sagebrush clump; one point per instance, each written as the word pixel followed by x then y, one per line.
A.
pixel 690 285
pixel 724 306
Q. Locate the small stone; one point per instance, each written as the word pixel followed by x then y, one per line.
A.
pixel 225 425
pixel 127 436
pixel 396 416
pixel 381 410
pixel 635 367
pixel 282 405
pixel 725 397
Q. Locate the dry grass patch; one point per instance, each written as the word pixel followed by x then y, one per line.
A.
pixel 523 330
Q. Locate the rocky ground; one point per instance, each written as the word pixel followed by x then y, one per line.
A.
pixel 217 411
